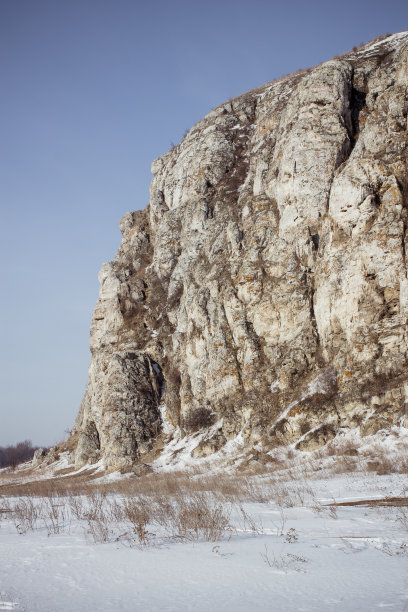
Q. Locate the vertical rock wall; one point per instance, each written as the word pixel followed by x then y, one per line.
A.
pixel 265 285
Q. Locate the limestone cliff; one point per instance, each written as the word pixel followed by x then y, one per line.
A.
pixel 264 288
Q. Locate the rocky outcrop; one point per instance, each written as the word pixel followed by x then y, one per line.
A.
pixel 264 288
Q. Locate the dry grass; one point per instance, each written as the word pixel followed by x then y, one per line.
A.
pixel 371 42
pixel 137 520
pixel 176 507
pixel 141 511
pixel 190 505
pixel 226 487
pixel 340 448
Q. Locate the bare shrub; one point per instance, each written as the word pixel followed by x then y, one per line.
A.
pixel 98 528
pixel 371 42
pixel 249 523
pixel 340 447
pixel 345 465
pixel 98 523
pixel 403 466
pixel 284 498
pixel 188 516
pixel 164 511
pixel 115 511
pixel 319 508
pixel 291 536
pixel 55 515
pixel 198 419
pixel 382 465
pixel 402 517
pixel 386 466
pixel 5 506
pixel 333 512
pixel 136 510
pixel 76 505
pixel 25 513
pixel 200 517
pixel 96 503
pixel 280 527
pixel 284 562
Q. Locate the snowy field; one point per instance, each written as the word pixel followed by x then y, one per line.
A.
pixel 282 541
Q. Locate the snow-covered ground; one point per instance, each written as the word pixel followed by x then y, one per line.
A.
pixel 295 550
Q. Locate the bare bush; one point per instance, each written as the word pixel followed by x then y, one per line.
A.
pixel 249 522
pixel 55 515
pixel 76 505
pixel 284 562
pixel 345 465
pixel 97 501
pixel 403 466
pixel 5 506
pixel 136 511
pixel 198 419
pixel 340 447
pixel 402 517
pixel 98 528
pixel 25 513
pixel 385 466
pixel 98 523
pixel 200 517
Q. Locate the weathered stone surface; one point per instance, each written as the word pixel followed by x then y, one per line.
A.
pixel 266 282
pixel 38 457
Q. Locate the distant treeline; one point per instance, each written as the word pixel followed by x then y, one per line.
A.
pixel 10 456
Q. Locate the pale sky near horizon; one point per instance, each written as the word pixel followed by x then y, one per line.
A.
pixel 91 91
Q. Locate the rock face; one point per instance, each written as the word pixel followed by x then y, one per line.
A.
pixel 264 288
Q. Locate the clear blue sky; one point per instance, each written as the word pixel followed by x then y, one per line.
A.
pixel 91 91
